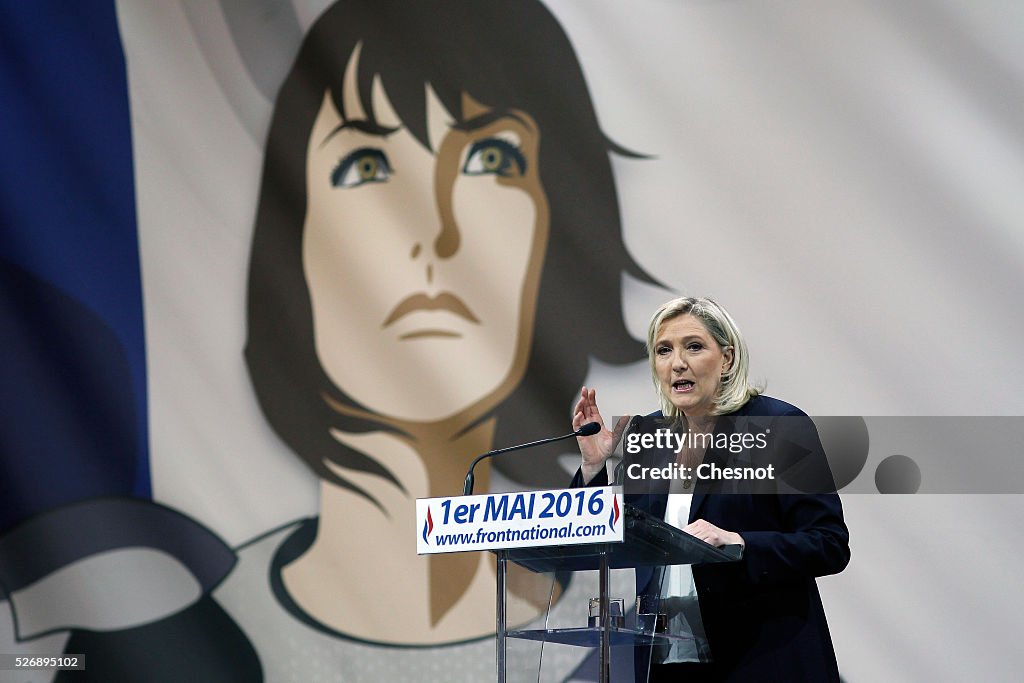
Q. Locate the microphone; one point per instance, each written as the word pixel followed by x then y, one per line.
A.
pixel 588 429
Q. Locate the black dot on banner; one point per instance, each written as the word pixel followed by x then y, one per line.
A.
pixel 845 440
pixel 898 474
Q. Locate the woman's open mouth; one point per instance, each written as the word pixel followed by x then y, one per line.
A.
pixel 682 386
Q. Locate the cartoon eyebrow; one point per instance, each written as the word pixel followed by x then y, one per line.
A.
pixel 487 118
pixel 363 126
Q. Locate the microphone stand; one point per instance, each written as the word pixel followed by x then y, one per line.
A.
pixel 588 429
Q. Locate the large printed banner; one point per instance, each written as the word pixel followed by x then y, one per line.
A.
pixel 272 271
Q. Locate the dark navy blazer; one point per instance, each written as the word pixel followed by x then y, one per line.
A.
pixel 763 615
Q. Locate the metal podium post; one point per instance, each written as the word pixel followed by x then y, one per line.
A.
pixel 500 616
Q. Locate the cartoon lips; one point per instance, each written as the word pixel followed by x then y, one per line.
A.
pixel 442 301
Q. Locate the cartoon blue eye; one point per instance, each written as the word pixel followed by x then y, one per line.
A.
pixel 364 165
pixel 494 156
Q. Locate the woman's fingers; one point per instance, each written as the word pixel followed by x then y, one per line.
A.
pixel 711 534
pixel 587 405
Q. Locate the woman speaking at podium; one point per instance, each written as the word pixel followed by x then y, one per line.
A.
pixel 759 619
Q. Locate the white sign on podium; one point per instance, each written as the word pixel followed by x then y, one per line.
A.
pixel 497 521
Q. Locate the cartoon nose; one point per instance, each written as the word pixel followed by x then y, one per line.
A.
pixel 448 239
pixel 447 243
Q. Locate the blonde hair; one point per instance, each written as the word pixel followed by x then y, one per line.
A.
pixel 736 388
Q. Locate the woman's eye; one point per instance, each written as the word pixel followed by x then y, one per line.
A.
pixel 494 156
pixel 365 165
pixel 662 350
pixel 694 347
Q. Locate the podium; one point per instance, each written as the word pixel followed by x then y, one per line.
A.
pixel 562 530
pixel 648 542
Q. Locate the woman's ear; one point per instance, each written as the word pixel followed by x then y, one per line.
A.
pixel 727 358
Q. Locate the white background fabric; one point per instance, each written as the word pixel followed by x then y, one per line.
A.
pixel 845 177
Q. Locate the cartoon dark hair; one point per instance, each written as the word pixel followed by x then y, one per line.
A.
pixel 505 54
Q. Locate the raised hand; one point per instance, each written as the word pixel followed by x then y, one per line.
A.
pixel 596 449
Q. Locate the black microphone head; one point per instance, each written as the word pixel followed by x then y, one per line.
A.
pixel 588 429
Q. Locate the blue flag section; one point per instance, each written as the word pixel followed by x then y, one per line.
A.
pixel 72 380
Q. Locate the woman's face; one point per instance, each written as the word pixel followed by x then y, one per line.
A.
pixel 689 364
pixel 423 264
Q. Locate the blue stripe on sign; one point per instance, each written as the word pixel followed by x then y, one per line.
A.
pixel 72 384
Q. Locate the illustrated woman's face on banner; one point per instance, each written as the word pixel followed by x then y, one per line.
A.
pixel 423 264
